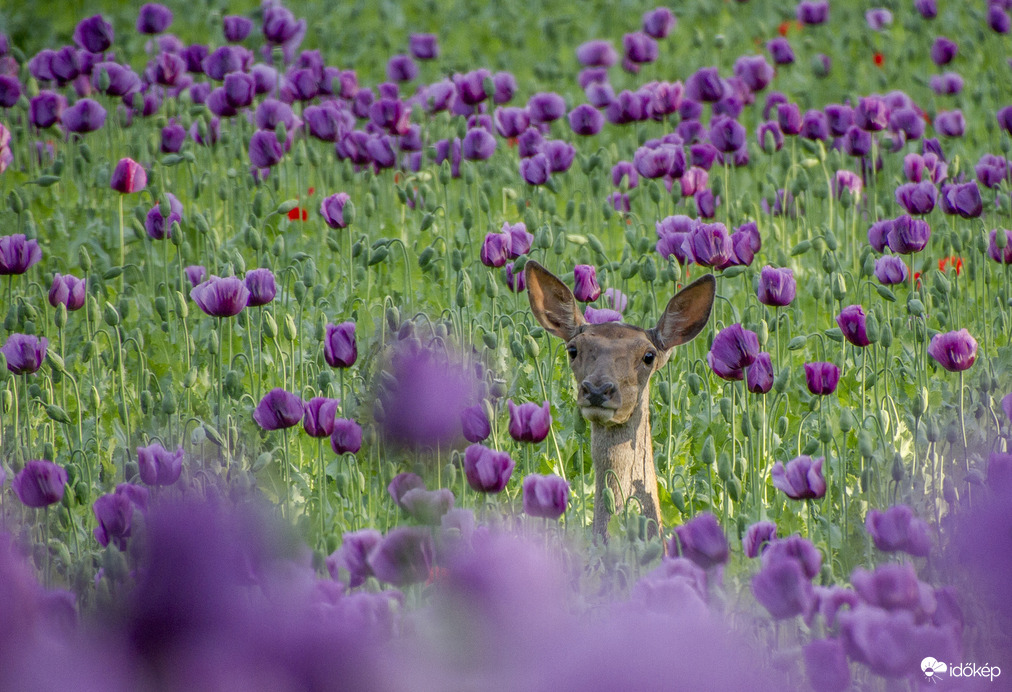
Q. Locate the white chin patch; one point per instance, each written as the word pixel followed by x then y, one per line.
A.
pixel 596 414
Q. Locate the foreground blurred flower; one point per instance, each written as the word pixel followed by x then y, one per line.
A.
pixel 854 325
pixel 158 466
pixel 826 665
pixel 24 353
pixel 278 409
pixel 822 377
pixel 40 483
pixel 782 587
pixel 801 478
pixel 128 177
pixel 545 496
pixel 17 254
pixel 346 437
pixel 891 643
pixel 757 537
pixel 402 483
pixel 897 529
pixel 352 556
pixel 113 512
pixel 487 470
pixel 221 297
pixel 529 422
pixel 67 290
pixel 955 351
pixel 339 347
pixel 404 556
pixel 701 540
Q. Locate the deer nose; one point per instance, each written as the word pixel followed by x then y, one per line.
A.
pixel 599 394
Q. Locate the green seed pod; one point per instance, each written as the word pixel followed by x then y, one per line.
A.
pixel 897 471
pixel 162 307
pixel 734 489
pixel 780 381
pixel 531 346
pixel 57 414
pixel 559 246
pixel 290 331
pixel 490 340
pixel 887 335
pixel 725 409
pixel 110 315
pixel 7 400
pixel 866 477
pixel 278 249
pixel 678 499
pixel 168 402
pixel 456 260
pixel 299 291
pixel 931 431
pixel 648 269
pixel 609 500
pixel 695 383
pixel 920 403
pixel 811 447
pixel 708 454
pixel 825 434
pixel 847 421
pixel 864 444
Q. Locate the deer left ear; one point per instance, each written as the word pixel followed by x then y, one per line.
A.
pixel 686 314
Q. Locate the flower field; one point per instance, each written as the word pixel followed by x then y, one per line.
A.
pixel 284 402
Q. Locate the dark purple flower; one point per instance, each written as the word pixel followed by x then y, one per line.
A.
pixel 423 46
pixel 94 34
pixel 67 290
pixel 261 285
pixel 515 279
pixel 1002 255
pixel 223 61
pixel 585 277
pixel 917 198
pixel 495 249
pixel 487 470
pixel 659 22
pixel 821 377
pixel 84 116
pixel 545 496
pixel 950 123
pixel 955 351
pixel 159 226
pixel 856 142
pixel 319 415
pixel 505 85
pixel 346 437
pixel 113 512
pixel 403 557
pixel 46 109
pixel 927 8
pixel 511 121
pixel 597 53
pixel 754 71
pixel 401 484
pixel 173 136
pixel 535 170
pixel 962 199
pixel 998 19
pixel 878 234
pixel 332 209
pixel 478 144
pixel 153 18
pixel 265 151
pixel 890 270
pixel 907 235
pixel 401 68
pixel 801 478
pixel 780 50
pixel 278 409
pixel 471 86
pixel 704 85
pixel 158 466
pixel 733 349
pixel 627 107
pixel 586 120
pixel 10 90
pixel 757 538
pixel 897 529
pixel 839 118
pixel 759 375
pixel 812 12
pixel 890 643
pixel 128 176
pixel 239 89
pixel 352 556
pixel 545 107
pixel 943 50
pixel 657 162
pixel 17 254
pixel 195 273
pixel 236 28
pixel 694 181
pixel 770 137
pixel 280 26
pixel 24 353
pixel 40 483
pixel 815 126
pixel 519 239
pixel 221 297
pixel 854 325
pixel 991 170
pixel 639 48
pixel 339 347
pixel 529 422
pixel 782 587
pixel 271 113
pixel 709 244
pixel 890 586
pixel 727 134
pixel 789 118
pixel 475 424
pixel 1004 116
pixel 701 540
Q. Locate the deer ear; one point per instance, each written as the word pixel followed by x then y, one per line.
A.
pixel 686 313
pixel 552 303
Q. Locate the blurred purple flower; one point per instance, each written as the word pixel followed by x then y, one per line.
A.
pixel 545 496
pixel 754 71
pixel 487 470
pixel 950 123
pixel 897 529
pixel 586 120
pixel 727 134
pixel 475 424
pixel 511 121
pixel 478 144
pixel 600 316
pixel 783 589
pixel 46 109
pixel 67 290
pixel 701 540
pixel 998 19
pixel 659 23
pixel 757 537
pixel 423 46
pixel 40 483
pixel 907 235
pixel 403 557
pixel 826 665
pixel 943 50
pixel 427 506
pixel 173 136
pixel 545 107
pixel 639 48
pixel 128 177
pixel 780 50
pixel 94 34
pixel 159 227
pixel 84 116
pixel 236 28
pixel 195 273
pixel 535 170
pixel 878 18
pixel 221 297
pixel 158 466
pixel 812 12
pixel 113 511
pixel 991 170
pixel 515 280
pixel 529 422
pixel 596 53
pixel 801 478
pixel 962 199
pixel 352 556
pixel 955 351
pixel 927 8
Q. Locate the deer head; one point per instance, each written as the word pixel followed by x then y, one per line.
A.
pixel 613 362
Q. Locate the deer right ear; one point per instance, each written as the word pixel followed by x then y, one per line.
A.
pixel 552 303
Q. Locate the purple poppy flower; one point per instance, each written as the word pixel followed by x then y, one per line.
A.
pixel 195 273
pixel 596 53
pixel 907 235
pixel 757 537
pixel 471 86
pixel 962 199
pixel 319 415
pixel 586 120
pixel 511 121
pixel 927 8
pixel 535 170
pixel 849 181
pixel 998 19
pixel 265 151
pixel 173 136
pixel 733 349
pixel 545 107
pixel 600 316
pixel 821 377
pixel 890 270
pixel 943 51
pixel 113 512
pixel 615 299
pixel 745 242
pixel 871 114
pixel 238 91
pixel 352 556
pixel 487 470
pixel 40 483
pixel 280 26
pixel 158 466
pixel 401 68
pixel 529 422
pixel 694 181
pixel 423 46
pixel 346 437
pixel 1001 255
pixel 659 161
pixel 10 90
pixel 709 244
pixel 1004 116
pixel 815 126
pixel 24 353
pixel 627 107
pixel 261 285
pixel 759 375
pixel 890 586
pixel 854 325
pixel 401 484
pixel 801 478
pixel 950 123
pixel 545 496
pixel 495 249
pixel 167 69
pixel 332 210
pixel 236 28
pixel 703 85
pixel 221 297
pixel 955 351
pixel 46 109
pixel 153 18
pixel 878 18
pixel 754 71
pixel 339 347
pixel 727 134
pixel 478 144
pixel 840 118
pixel 878 234
pixel 94 34
pixel 769 137
pixel 222 61
pixel 505 86
pixel 701 540
pixel 659 23
pixel 404 556
pixel 515 279
pixel 783 589
pixel 67 290
pixel 159 227
pixel 780 50
pixel 84 116
pixel 519 239
pixel 789 118
pixel 890 642
pixel 991 170
pixel 128 176
pixel 826 665
pixel 278 409
pixel 917 198
pixel 587 289
pixel 897 529
pixel 639 48
pixel 475 424
pixel 812 12
pixel 18 254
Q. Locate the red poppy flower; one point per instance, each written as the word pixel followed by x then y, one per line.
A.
pixel 879 59
pixel 296 213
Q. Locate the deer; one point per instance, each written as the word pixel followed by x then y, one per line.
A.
pixel 612 364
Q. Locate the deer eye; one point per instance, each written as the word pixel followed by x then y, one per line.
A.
pixel 571 350
pixel 649 357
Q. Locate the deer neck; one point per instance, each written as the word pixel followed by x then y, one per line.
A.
pixel 623 459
